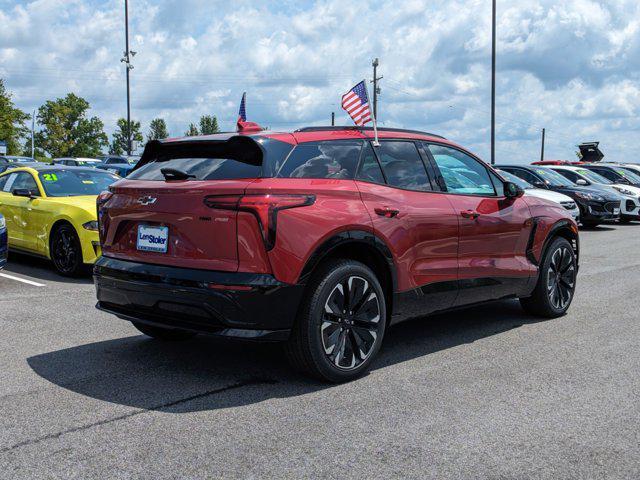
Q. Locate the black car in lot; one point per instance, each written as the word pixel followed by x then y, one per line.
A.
pixel 596 205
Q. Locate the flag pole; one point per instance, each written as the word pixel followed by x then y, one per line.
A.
pixel 376 143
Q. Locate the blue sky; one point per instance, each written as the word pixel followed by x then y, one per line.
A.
pixel 571 66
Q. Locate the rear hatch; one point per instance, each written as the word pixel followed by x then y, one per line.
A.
pixel 158 214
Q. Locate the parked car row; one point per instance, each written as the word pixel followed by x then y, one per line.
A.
pixel 319 238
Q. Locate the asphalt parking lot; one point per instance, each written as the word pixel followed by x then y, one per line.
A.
pixel 481 393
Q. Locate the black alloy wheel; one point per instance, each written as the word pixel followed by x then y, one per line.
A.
pixel 561 278
pixel 66 251
pixel 341 322
pixel 350 323
pixel 556 284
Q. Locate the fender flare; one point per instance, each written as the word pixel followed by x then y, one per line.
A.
pixel 560 225
pixel 350 237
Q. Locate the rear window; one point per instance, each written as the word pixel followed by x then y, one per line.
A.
pixel 330 159
pixel 237 158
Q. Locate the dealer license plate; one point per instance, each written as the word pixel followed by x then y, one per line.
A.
pixel 153 239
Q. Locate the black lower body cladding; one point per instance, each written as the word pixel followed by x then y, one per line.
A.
pixel 241 305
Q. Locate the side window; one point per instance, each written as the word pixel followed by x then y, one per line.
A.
pixel 462 173
pixel 330 159
pixel 402 165
pixel 370 168
pixel 608 174
pixel 568 174
pixel 3 182
pixel 498 184
pixel 526 176
pixel 25 180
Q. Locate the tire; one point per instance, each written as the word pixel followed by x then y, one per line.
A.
pixel 324 336
pixel 164 334
pixel 556 285
pixel 66 251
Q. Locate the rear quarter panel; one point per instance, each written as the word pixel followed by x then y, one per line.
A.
pixel 338 208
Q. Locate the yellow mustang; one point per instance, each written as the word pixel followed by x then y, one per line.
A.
pixel 50 211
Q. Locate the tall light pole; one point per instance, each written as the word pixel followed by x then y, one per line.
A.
pixel 542 146
pixel 493 84
pixel 33 128
pixel 128 54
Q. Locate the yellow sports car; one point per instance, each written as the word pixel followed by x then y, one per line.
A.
pixel 50 211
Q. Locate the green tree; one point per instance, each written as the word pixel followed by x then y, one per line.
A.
pixel 157 129
pixel 12 122
pixel 119 137
pixel 208 125
pixel 193 131
pixel 66 131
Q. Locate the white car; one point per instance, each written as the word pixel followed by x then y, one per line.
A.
pixel 630 204
pixel 567 202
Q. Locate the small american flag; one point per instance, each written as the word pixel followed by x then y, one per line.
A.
pixel 356 103
pixel 242 113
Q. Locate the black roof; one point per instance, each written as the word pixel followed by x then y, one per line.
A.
pixel 368 129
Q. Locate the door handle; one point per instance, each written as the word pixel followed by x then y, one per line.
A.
pixel 386 212
pixel 470 214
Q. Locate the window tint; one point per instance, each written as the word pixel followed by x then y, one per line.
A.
pixel 524 175
pixel 462 173
pixel 370 169
pixel 3 182
pixel 70 183
pixel 609 174
pixel 24 180
pixel 568 174
pixel 331 159
pixel 9 182
pixel 402 165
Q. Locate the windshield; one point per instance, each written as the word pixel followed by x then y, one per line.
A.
pixel 510 177
pixel 553 178
pixel 88 163
pixel 72 183
pixel 593 176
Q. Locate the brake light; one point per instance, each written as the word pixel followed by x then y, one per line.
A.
pixel 100 201
pixel 264 207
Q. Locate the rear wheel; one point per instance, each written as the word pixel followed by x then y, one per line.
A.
pixel 556 281
pixel 165 334
pixel 66 251
pixel 341 322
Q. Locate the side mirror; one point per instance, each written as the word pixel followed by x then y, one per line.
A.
pixel 511 190
pixel 582 182
pixel 22 192
pixel 539 184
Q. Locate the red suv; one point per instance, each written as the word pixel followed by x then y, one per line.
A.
pixel 321 239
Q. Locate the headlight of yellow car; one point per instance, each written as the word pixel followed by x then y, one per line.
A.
pixel 93 226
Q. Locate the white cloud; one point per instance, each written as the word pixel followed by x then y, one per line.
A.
pixel 572 66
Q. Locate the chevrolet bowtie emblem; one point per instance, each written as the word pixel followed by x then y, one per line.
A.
pixel 147 200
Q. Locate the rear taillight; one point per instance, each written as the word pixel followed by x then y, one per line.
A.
pixel 100 201
pixel 264 207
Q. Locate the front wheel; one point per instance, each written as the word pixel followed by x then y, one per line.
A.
pixel 341 322
pixel 556 281
pixel 66 252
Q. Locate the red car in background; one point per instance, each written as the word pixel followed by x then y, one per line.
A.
pixel 321 239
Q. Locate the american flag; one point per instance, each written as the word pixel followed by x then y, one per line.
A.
pixel 242 114
pixel 356 103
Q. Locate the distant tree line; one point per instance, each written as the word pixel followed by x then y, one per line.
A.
pixel 65 129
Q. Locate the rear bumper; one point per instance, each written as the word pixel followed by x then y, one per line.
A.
pixel 240 305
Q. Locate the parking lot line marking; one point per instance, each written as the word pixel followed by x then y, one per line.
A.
pixel 29 282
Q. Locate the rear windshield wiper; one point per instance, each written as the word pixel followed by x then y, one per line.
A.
pixel 175 174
